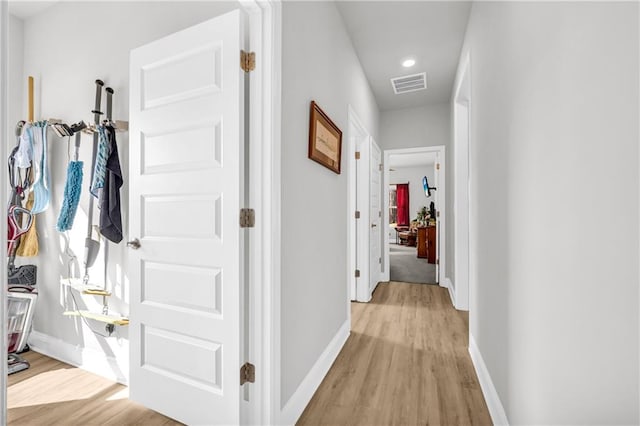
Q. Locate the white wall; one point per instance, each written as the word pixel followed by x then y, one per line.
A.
pixel 66 49
pixel 17 110
pixel 414 175
pixel 415 127
pixel 424 126
pixel 554 169
pixel 319 63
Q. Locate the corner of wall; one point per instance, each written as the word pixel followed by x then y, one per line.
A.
pixel 496 410
pixel 294 408
pixel 79 356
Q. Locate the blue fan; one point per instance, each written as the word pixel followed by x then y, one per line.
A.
pixel 427 188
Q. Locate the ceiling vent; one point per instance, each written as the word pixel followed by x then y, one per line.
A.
pixel 409 83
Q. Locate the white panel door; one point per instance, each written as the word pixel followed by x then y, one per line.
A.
pixel 186 138
pixel 375 215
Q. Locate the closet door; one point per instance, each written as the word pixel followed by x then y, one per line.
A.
pixel 186 171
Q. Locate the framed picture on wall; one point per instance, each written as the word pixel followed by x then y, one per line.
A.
pixel 325 139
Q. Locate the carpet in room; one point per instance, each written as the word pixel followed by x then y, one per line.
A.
pixel 406 267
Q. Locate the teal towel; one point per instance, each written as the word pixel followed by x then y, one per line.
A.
pixel 72 190
pixel 101 163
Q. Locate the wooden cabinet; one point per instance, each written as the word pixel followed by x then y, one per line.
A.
pixel 422 242
pixel 431 244
pixel 427 243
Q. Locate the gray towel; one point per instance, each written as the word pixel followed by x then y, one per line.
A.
pixel 110 215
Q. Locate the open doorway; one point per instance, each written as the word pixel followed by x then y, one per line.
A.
pixel 413 220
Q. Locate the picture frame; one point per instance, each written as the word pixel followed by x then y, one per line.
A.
pixel 325 139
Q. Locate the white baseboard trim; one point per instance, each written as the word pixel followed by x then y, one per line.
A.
pixel 86 358
pixel 293 409
pixel 452 294
pixel 496 410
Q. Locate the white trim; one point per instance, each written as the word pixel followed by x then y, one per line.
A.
pixel 496 410
pixel 4 33
pixel 452 294
pixel 271 211
pixel 357 138
pixel 88 359
pixel 461 113
pixel 292 411
pixel 442 205
pixel 265 195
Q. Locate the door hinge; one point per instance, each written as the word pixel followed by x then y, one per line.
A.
pixel 438 213
pixel 437 261
pixel 357 273
pixel 380 167
pixel 247 373
pixel 357 155
pixel 247 61
pixel 437 166
pixel 379 213
pixel 247 218
pixel 380 260
pixel 357 214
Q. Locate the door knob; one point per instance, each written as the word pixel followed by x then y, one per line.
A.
pixel 373 225
pixel 134 244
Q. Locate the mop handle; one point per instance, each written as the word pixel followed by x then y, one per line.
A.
pixel 109 91
pixel 96 118
pixel 78 139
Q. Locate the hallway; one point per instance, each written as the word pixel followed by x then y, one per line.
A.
pixel 405 363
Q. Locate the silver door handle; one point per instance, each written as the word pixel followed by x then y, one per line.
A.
pixel 373 225
pixel 134 244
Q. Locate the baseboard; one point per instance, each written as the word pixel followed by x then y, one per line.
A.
pixel 452 294
pixel 293 409
pixel 496 410
pixel 88 359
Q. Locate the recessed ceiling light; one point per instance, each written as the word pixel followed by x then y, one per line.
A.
pixel 407 63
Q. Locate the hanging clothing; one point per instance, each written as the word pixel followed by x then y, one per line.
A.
pixel 40 168
pixel 24 153
pixel 110 214
pixel 402 198
pixel 100 168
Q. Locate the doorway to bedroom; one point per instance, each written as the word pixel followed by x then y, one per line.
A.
pixel 414 186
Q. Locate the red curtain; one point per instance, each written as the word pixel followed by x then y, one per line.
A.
pixel 402 198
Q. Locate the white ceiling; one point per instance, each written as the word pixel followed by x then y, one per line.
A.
pixel 384 33
pixel 24 9
pixel 397 161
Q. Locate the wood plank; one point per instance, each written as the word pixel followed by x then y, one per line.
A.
pixel 406 363
pixel 55 393
pixel 108 319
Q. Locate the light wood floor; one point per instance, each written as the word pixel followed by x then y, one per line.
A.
pixel 405 363
pixel 54 393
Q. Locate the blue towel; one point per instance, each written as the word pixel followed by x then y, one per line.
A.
pixel 100 170
pixel 72 190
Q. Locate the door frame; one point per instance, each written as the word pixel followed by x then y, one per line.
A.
pixel 265 39
pixel 357 137
pixel 372 215
pixel 4 33
pixel 441 202
pixel 462 254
